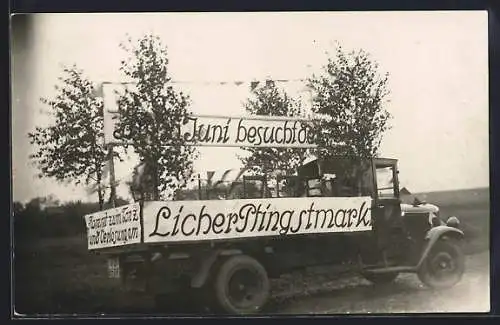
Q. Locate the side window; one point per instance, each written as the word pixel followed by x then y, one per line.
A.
pixel 385 182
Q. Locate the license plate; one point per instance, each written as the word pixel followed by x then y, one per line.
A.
pixel 114 267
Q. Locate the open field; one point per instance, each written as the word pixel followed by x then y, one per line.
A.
pixel 471 206
pixel 59 275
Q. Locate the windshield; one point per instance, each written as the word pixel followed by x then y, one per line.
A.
pixel 385 182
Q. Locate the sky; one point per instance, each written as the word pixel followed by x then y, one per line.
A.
pixel 437 64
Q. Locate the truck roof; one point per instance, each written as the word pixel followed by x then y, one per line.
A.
pixel 320 165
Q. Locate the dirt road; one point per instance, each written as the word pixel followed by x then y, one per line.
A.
pixel 316 294
pixel 354 295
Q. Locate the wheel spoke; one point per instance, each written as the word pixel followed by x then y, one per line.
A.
pixel 243 287
pixel 443 267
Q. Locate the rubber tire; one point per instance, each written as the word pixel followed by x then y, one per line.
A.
pixel 380 278
pixel 451 247
pixel 222 277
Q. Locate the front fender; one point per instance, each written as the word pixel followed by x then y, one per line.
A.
pixel 434 234
pixel 203 273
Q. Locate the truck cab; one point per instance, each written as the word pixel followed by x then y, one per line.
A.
pixel 405 237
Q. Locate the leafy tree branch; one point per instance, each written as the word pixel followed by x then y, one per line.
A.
pixel 270 100
pixel 71 148
pixel 350 95
pixel 151 117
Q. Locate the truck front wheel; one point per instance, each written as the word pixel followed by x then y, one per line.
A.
pixel 241 285
pixel 444 266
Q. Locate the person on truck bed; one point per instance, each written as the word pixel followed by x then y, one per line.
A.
pixel 141 184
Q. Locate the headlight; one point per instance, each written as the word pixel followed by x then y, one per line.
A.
pixel 434 219
pixel 453 222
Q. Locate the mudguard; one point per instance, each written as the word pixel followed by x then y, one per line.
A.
pixel 201 276
pixel 434 234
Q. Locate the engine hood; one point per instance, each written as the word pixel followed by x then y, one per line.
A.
pixel 421 208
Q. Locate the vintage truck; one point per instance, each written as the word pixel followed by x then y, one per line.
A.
pixel 337 211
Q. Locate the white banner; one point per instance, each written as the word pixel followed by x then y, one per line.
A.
pixel 114 227
pixel 248 131
pixel 207 130
pixel 175 221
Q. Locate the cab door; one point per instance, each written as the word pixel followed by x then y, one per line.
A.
pixel 388 225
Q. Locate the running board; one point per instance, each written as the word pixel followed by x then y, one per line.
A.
pixel 409 269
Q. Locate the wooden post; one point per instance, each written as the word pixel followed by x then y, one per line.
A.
pixel 199 187
pixel 111 157
pixel 112 182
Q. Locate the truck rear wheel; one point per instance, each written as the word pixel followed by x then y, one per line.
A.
pixel 241 285
pixel 444 266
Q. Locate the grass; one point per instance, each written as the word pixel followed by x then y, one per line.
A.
pixel 59 275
